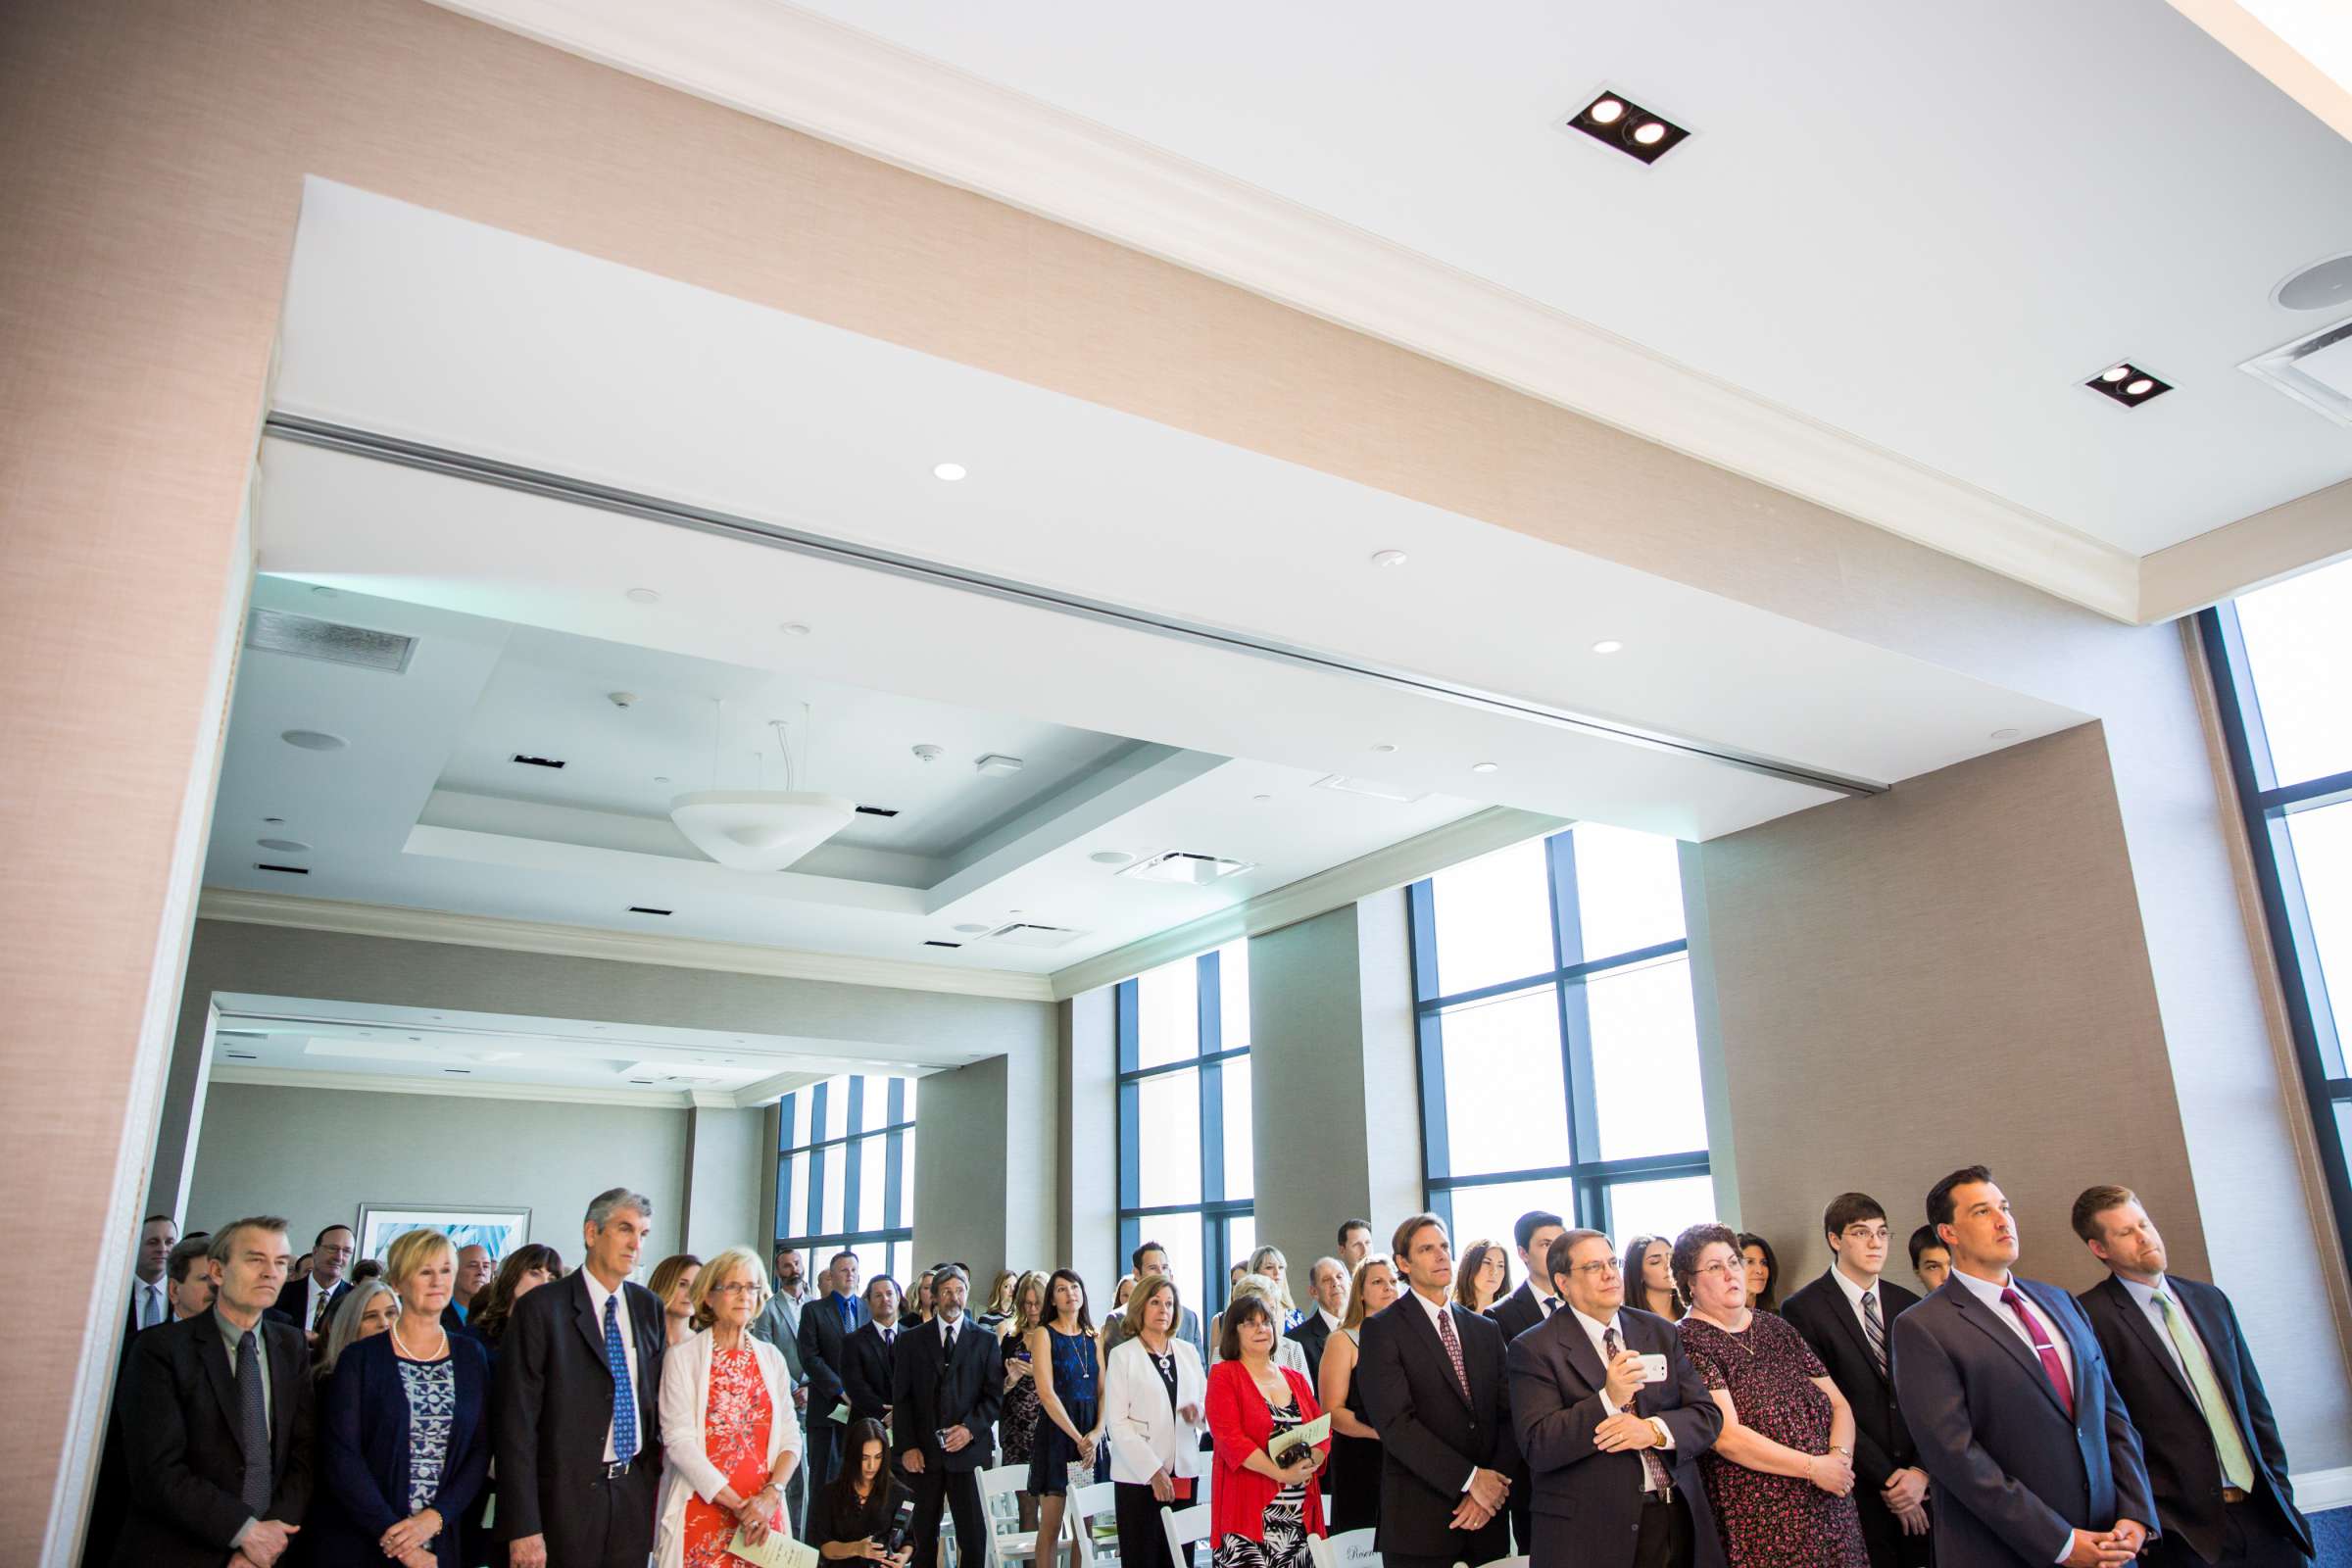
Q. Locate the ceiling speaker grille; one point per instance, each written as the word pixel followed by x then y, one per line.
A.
pixel 305 637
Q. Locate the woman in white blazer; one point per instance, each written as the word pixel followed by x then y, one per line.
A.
pixel 728 1436
pixel 1152 1394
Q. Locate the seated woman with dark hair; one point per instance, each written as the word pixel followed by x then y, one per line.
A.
pixel 1648 1274
pixel 1763 1272
pixel 851 1516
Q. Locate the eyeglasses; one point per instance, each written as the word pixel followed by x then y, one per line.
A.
pixel 1600 1270
pixel 736 1287
pixel 1727 1271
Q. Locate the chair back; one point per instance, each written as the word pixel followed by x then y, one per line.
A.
pixel 1093 1519
pixel 1001 1506
pixel 1349 1549
pixel 1185 1525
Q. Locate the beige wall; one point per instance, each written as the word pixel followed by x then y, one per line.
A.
pixel 152 164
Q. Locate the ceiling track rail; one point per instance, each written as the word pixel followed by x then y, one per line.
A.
pixel 779 536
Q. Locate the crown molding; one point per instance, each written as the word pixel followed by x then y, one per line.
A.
pixel 1498 827
pixel 819 77
pixel 623 947
pixel 2254 552
pixel 392 1084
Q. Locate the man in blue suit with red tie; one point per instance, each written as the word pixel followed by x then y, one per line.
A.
pixel 2032 1455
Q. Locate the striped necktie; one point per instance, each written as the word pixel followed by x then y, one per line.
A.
pixel 1874 1328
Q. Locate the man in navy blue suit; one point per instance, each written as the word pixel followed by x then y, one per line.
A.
pixel 2215 1462
pixel 2032 1458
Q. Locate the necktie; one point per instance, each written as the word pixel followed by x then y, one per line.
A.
pixel 253 1426
pixel 2051 1364
pixel 151 1305
pixel 848 1311
pixel 890 1336
pixel 1654 1469
pixel 319 1318
pixel 1453 1349
pixel 2237 1468
pixel 625 1396
pixel 1552 1304
pixel 1874 1328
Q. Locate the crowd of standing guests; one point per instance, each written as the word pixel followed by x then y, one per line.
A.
pixel 1658 1405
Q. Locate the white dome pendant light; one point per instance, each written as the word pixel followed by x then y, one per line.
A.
pixel 760 830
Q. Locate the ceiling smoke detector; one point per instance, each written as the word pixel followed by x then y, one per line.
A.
pixel 1181 867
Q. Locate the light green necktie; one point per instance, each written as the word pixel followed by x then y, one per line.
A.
pixel 2237 1469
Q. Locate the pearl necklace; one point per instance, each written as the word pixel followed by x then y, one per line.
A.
pixel 406 1354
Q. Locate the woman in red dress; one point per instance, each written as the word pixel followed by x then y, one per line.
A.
pixel 728 1436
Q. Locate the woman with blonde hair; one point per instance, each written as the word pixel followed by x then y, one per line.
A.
pixel 1268 1264
pixel 672 1286
pixel 1355 1453
pixel 998 1307
pixel 404 1430
pixel 729 1440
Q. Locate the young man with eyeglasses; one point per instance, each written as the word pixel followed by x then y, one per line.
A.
pixel 1848 1316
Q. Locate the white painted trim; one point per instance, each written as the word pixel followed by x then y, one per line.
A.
pixel 1498 827
pixel 391 1084
pixel 817 75
pixel 623 947
pixel 2317 1491
pixel 2237 558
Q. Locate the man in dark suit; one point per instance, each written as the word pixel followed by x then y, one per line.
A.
pixel 1152 1258
pixel 310 1298
pixel 2007 1394
pixel 1534 1300
pixel 1848 1316
pixel 1612 1455
pixel 150 1303
pixel 1327 1282
pixel 2215 1462
pixel 826 1323
pixel 187 1293
pixel 578 1434
pixel 868 1355
pixel 1432 1386
pixel 218 1420
pixel 947 1383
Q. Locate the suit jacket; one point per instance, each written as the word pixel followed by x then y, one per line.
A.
pixel 2012 1473
pixel 1431 1437
pixel 1821 1313
pixel 1519 1311
pixel 2184 1470
pixel 187 1463
pixel 1311 1336
pixel 292 1301
pixel 1557 1404
pixel 866 1370
pixel 364 1453
pixel 927 1396
pixel 555 1402
pixel 821 1337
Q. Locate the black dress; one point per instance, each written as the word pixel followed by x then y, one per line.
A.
pixel 854 1521
pixel 1354 1466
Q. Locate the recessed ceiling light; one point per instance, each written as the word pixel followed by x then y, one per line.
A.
pixel 644 595
pixel 1618 122
pixel 1608 645
pixel 793 628
pixel 1389 558
pixel 949 472
pixel 1110 857
pixel 2126 384
pixel 293 844
pixel 1486 767
pixel 313 740
pixel 2006 734
pixel 1384 748
pixel 969 929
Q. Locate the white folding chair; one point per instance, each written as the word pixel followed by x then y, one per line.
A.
pixel 1008 1542
pixel 1505 1562
pixel 1349 1549
pixel 1092 1519
pixel 1185 1526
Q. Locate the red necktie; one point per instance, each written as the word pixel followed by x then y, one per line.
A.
pixel 1453 1349
pixel 2041 1348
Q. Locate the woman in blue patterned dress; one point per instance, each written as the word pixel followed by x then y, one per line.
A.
pixel 404 1437
pixel 1069 1378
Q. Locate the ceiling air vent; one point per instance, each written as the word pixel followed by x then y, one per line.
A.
pixel 283 870
pixel 1192 870
pixel 1022 934
pixel 240 1055
pixel 538 761
pixel 877 810
pixel 934 941
pixel 304 637
pixel 1361 786
pixel 642 909
pixel 2316 371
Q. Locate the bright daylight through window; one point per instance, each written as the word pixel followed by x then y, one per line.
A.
pixel 1185 1153
pixel 2282 661
pixel 845 1172
pixel 1558 1046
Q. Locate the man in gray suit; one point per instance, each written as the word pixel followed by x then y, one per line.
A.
pixel 2007 1394
pixel 779 1324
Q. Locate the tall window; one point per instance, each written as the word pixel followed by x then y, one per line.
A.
pixel 2282 666
pixel 845 1172
pixel 1184 1150
pixel 1559 1050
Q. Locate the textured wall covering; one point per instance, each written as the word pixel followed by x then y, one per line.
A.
pixel 150 165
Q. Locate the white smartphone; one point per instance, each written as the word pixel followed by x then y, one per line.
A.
pixel 1653 1369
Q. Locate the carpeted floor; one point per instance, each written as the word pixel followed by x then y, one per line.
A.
pixel 2331 1533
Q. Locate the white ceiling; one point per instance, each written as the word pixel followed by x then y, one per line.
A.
pixel 418 326
pixel 1920 226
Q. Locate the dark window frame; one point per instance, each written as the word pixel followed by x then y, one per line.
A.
pixel 1591 1179
pixel 2266 803
pixel 1216 1210
pixel 896 1225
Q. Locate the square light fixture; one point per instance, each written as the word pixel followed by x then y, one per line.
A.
pixel 1616 121
pixel 2126 384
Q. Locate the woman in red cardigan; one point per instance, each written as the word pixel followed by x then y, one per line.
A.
pixel 1262 1514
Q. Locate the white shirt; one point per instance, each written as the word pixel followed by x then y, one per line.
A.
pixel 1329 1322
pixel 598 1296
pixel 1596 1329
pixel 149 1305
pixel 1989 1293
pixel 1853 1299
pixel 311 1294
